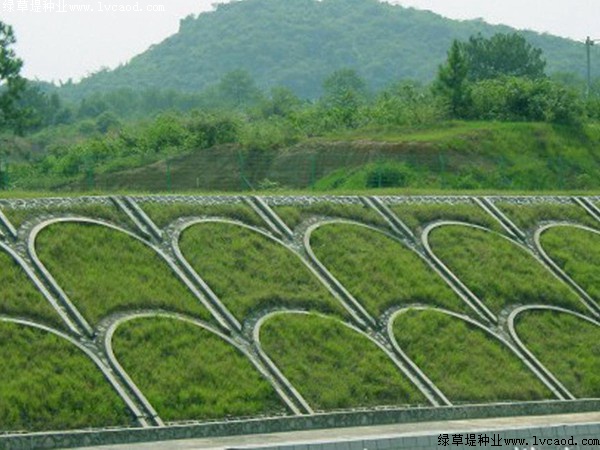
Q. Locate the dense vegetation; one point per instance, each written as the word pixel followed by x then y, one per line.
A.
pixel 238 132
pixel 569 347
pixel 48 384
pixel 297 44
pixel 20 298
pixel 188 373
pixel 530 216
pixel 163 214
pixel 477 257
pixel 467 364
pixel 379 271
pixel 250 272
pixel 294 215
pixel 418 215
pixel 577 252
pixel 307 347
pixel 105 271
pixel 110 213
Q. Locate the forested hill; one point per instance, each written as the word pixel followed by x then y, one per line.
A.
pixel 297 43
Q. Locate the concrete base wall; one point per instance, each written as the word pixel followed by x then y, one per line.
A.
pixel 284 424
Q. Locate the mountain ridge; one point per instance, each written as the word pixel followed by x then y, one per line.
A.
pixel 297 43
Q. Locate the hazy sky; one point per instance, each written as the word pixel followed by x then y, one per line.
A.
pixel 57 43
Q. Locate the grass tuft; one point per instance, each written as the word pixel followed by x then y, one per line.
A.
pixel 333 366
pixel 163 214
pixel 379 271
pixel 529 216
pixel 250 272
pixel 417 216
pixel 568 346
pixel 577 252
pixel 48 384
pixel 104 271
pixel 20 299
pixel 466 363
pixel 478 257
pixel 188 373
pixel 294 215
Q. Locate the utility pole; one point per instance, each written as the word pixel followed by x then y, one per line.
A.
pixel 588 50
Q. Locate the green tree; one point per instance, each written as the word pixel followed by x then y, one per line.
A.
pixel 452 83
pixel 11 82
pixel 237 89
pixel 345 92
pixel 503 54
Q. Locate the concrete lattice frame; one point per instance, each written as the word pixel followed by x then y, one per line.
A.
pixel 113 328
pixel 355 329
pixel 542 376
pixel 135 411
pixel 515 336
pixel 168 241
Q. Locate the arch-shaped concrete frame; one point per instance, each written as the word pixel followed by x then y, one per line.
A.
pixel 425 240
pixel 82 322
pixel 113 328
pixel 541 376
pixel 428 263
pixel 184 262
pixel 513 333
pixel 30 274
pixel 139 416
pixel 589 302
pixel 388 353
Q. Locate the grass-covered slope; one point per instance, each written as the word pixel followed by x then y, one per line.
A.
pixel 294 215
pixel 529 216
pixel 18 296
pixel 380 271
pixel 498 271
pixel 457 156
pixel 568 346
pixel 91 210
pixel 48 384
pixel 577 252
pixel 250 272
pixel 333 366
pixel 418 215
pixel 465 362
pixel 105 271
pixel 189 373
pixel 165 213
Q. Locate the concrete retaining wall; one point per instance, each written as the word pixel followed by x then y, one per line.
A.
pixel 283 424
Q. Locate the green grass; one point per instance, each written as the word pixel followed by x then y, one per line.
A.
pixel 250 272
pixel 577 252
pixel 418 215
pixel 188 373
pixel 294 215
pixel 18 216
pixel 528 216
pixel 499 272
pixel 379 271
pixel 464 156
pixel 465 362
pixel 19 297
pixel 48 384
pixel 568 346
pixel 333 366
pixel 104 271
pixel 164 214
